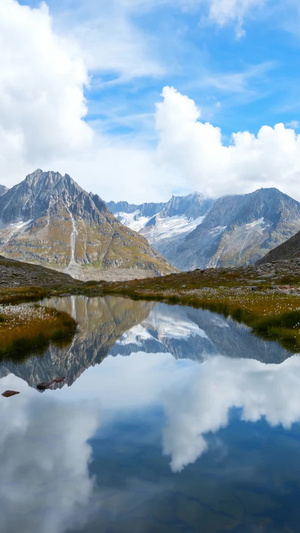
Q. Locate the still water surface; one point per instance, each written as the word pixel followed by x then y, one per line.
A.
pixel 172 419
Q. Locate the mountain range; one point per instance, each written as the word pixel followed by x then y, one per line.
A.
pixel 193 232
pixel 49 220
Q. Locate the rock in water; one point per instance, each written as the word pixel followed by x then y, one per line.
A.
pixel 9 393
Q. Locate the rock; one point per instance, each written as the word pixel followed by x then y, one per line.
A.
pixel 47 385
pixel 9 393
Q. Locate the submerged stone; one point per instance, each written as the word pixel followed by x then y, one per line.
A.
pixel 9 393
pixel 46 385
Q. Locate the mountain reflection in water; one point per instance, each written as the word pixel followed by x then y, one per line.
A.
pixel 116 326
pixel 196 429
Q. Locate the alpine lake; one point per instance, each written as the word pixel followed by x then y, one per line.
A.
pixel 170 419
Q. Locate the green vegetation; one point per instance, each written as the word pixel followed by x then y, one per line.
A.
pixel 247 295
pixel 265 298
pixel 26 328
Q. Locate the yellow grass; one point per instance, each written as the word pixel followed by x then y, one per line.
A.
pixel 25 328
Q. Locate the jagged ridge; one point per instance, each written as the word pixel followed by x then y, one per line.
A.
pixel 49 220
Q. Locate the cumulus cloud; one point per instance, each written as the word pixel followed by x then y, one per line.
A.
pixel 45 480
pixel 42 124
pixel 195 150
pixel 203 405
pixel 41 89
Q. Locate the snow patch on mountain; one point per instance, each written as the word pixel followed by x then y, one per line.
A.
pixel 169 227
pixel 259 222
pixel 132 220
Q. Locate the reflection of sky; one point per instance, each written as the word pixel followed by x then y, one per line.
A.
pixel 48 441
pixel 196 399
pixel 44 459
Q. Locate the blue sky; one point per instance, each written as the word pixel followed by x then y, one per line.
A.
pixel 239 83
pixel 236 60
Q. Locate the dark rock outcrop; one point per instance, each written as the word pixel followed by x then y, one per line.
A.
pixel 286 251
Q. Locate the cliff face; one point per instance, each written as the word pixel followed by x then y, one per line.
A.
pixel 49 220
pixel 239 230
pixel 165 225
pixel 289 249
pixel 194 232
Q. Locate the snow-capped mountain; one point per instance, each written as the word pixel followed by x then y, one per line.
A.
pixel 239 230
pixel 134 216
pixel 164 225
pixel 49 220
pixel 193 232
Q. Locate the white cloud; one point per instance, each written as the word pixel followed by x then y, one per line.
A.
pixel 260 390
pixel 227 11
pixel 236 82
pixel 294 124
pixel 194 150
pixel 42 83
pixel 45 480
pixel 220 12
pixel 109 40
pixel 41 89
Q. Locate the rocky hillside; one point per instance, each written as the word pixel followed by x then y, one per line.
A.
pixel 3 189
pixel 288 250
pixel 49 220
pixel 239 230
pixel 164 225
pixel 167 230
pixel 194 232
pixel 18 274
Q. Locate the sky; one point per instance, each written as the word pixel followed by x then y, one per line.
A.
pixel 141 99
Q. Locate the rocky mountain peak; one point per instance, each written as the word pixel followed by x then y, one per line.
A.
pixel 191 206
pixel 3 189
pixel 49 220
pixel 39 181
pixel 35 194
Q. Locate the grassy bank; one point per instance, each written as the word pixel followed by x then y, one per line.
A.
pixel 271 310
pixel 266 298
pixel 26 328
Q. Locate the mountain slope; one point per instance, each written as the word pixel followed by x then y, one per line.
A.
pixel 3 189
pixel 167 230
pixel 132 215
pixel 18 274
pixel 239 230
pixel 49 220
pixel 289 249
pixel 164 225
